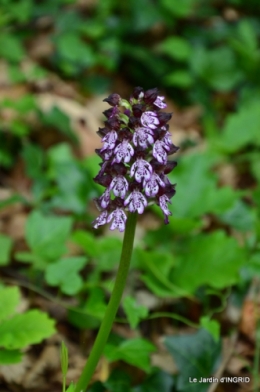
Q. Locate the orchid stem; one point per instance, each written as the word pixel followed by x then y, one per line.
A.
pixel 112 307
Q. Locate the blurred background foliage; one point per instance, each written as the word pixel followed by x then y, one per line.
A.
pixel 204 56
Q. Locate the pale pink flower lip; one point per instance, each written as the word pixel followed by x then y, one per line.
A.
pixel 136 145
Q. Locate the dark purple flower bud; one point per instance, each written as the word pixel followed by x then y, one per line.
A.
pixel 104 180
pixel 113 123
pixel 137 92
pixel 163 117
pixel 113 99
pixel 111 112
pixel 138 110
pixel 151 95
pixel 170 166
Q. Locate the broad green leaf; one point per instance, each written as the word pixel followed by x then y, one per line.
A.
pixel 24 329
pixel 127 351
pixel 194 177
pixel 74 50
pixel 9 300
pixel 86 241
pixel 157 267
pixel 65 274
pixel 8 357
pixel 11 47
pixel 214 259
pixel 59 120
pixel 155 382
pixel 179 78
pixel 179 9
pixel 47 235
pixel 33 157
pixel 240 216
pixel 176 47
pixel 135 312
pixel 196 355
pixel 212 326
pixel 118 381
pixel 242 128
pixel 71 388
pixel 5 249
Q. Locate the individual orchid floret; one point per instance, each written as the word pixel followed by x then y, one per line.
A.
pixel 159 151
pixel 163 200
pixel 118 218
pixel 159 103
pixel 123 151
pixel 149 119
pixel 143 137
pixel 100 220
pixel 141 170
pixel 105 198
pixel 136 201
pixel 109 140
pixel 120 186
pixel 151 186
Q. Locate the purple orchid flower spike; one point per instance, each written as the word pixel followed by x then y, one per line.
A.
pixel 136 145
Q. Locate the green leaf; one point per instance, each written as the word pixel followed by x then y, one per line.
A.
pixel 24 329
pixel 135 312
pixel 240 216
pixel 179 78
pixel 194 177
pixel 205 255
pixel 212 326
pixel 159 381
pixel 242 128
pixel 87 242
pixel 180 9
pixel 5 249
pixel 8 357
pixel 11 47
pixel 118 381
pixel 65 274
pixel 196 355
pixel 9 301
pixel 59 120
pixel 46 235
pixel 71 388
pixel 219 75
pixel 157 267
pixel 127 351
pixel 33 157
pixel 73 49
pixel 176 47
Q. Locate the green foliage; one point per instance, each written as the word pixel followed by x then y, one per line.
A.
pixel 134 312
pixel 126 351
pixel 207 254
pixel 46 236
pixel 5 249
pixel 64 273
pixel 20 330
pixel 196 355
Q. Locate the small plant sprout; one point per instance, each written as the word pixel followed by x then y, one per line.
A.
pixel 136 145
pixel 64 359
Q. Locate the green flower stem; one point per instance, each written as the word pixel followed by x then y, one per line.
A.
pixel 112 306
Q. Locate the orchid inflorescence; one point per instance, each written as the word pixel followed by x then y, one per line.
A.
pixel 136 144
